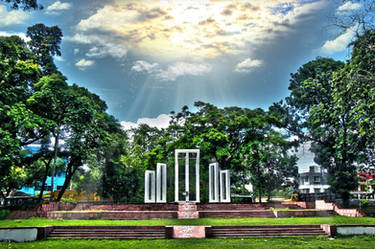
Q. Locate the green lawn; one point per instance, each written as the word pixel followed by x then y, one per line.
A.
pixel 339 220
pixel 259 243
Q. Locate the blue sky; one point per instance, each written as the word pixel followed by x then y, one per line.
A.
pixel 147 58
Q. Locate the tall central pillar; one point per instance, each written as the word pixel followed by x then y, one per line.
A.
pixel 187 175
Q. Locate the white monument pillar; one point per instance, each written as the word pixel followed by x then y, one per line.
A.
pixel 224 186
pixel 186 179
pixel 149 186
pixel 161 183
pixel 213 181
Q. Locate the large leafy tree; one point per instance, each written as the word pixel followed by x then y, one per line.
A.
pixel 19 126
pixel 37 105
pixel 332 103
pixel 312 103
pixel 123 170
pixel 88 129
pixel 357 88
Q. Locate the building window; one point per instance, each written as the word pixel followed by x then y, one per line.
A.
pixel 316 179
pixel 305 190
pixel 306 180
pixel 316 190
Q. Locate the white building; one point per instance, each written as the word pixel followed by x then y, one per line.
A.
pixel 313 180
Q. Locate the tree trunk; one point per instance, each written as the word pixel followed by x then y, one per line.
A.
pixel 54 163
pixel 44 180
pixel 7 193
pixel 260 194
pixel 68 178
pixel 3 196
pixel 269 195
pixel 345 199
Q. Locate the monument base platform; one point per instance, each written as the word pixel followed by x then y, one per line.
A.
pixel 165 211
pixel 187 210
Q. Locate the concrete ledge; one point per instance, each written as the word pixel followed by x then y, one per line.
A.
pixel 18 234
pixel 356 230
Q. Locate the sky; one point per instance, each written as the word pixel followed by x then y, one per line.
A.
pixel 148 58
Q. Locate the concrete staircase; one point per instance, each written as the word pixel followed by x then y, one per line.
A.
pixel 148 232
pixel 263 231
pixel 108 232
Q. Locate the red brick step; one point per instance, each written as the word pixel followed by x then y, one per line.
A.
pixel 263 231
pixel 109 232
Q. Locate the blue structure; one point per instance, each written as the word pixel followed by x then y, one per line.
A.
pixel 58 181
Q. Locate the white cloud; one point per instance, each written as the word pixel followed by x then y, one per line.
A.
pixel 340 43
pixel 181 69
pixel 82 64
pixel 58 58
pixel 56 7
pixel 247 65
pixel 104 45
pixel 348 6
pixel 80 38
pixel 161 121
pixel 173 71
pixel 76 51
pixel 22 35
pixel 12 17
pixel 96 52
pixel 144 66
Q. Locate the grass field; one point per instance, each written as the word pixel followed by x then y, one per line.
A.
pixel 367 242
pixel 339 220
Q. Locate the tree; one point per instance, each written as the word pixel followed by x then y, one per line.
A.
pixel 89 127
pixel 24 4
pixel 352 116
pixel 360 19
pixel 46 110
pixel 123 170
pixel 321 122
pixel 360 89
pixel 45 43
pixel 19 126
pixel 52 100
pixel 332 102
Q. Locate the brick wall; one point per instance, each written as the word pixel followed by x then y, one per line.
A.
pixel 300 204
pixel 22 214
pixel 318 213
pixel 131 215
pixel 229 206
pixel 130 207
pixel 40 210
pixel 350 212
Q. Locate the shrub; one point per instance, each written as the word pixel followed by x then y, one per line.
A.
pixel 68 200
pixel 365 203
pixel 4 213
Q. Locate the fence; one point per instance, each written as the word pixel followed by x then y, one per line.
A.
pixel 310 197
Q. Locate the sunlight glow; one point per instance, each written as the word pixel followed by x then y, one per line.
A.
pixel 205 29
